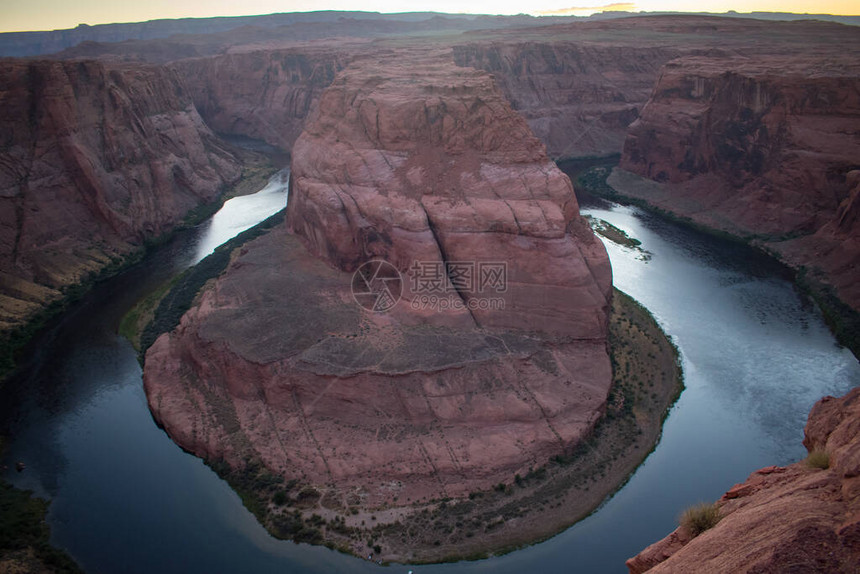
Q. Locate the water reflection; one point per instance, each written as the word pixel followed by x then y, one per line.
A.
pixel 241 213
pixel 126 499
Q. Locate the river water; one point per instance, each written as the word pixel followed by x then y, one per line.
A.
pixel 756 357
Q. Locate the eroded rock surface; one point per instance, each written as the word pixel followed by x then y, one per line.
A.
pixel 763 148
pixel 407 159
pixel 94 159
pixel 259 93
pixel 782 519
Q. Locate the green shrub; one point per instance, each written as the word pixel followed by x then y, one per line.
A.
pixel 818 458
pixel 700 517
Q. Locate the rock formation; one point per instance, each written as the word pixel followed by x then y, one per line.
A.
pixel 580 85
pixel 263 94
pixel 94 159
pixel 765 149
pixel 782 519
pixel 408 158
pixel 578 98
pixel 432 165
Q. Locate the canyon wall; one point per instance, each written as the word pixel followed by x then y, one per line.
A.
pixel 94 159
pixel 581 84
pixel 263 94
pixel 765 149
pixel 414 160
pixel 578 98
pixel 798 518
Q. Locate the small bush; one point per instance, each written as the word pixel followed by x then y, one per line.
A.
pixel 818 458
pixel 700 517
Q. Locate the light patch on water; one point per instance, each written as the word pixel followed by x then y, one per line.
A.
pixel 243 212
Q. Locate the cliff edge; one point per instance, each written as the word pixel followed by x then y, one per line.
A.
pixel 765 149
pixel 799 518
pixel 95 158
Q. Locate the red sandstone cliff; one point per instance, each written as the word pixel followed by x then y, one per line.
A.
pixel 764 148
pixel 94 159
pixel 408 158
pixel 264 94
pixel 578 98
pixel 580 85
pixel 792 519
pixel 433 165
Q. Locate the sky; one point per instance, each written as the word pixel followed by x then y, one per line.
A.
pixel 18 15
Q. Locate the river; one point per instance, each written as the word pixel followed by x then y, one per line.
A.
pixel 756 356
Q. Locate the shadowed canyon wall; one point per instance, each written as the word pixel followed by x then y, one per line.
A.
pixel 578 99
pixel 263 94
pixel 94 159
pixel 765 149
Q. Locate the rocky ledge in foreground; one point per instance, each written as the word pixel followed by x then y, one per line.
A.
pixel 355 419
pixel 800 518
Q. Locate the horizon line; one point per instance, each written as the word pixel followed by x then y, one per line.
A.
pixel 619 13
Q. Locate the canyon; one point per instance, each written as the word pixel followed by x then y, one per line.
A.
pixel 425 150
pixel 766 150
pixel 412 160
pixel 578 85
pixel 96 159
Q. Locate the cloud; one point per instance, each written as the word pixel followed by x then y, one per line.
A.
pixel 614 7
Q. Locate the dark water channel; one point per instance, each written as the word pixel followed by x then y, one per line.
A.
pixel 126 499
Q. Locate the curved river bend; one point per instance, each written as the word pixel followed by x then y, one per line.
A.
pixel 756 357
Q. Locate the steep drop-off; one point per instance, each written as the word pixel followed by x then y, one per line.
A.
pixel 94 159
pixel 263 94
pixel 432 165
pixel 580 85
pixel 799 518
pixel 764 149
pixel 578 98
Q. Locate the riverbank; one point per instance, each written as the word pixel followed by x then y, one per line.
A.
pixel 138 317
pixel 606 181
pixel 520 511
pixel 647 380
pixel 25 536
pixel 256 170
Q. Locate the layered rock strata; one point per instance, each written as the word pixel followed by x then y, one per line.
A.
pixel 263 94
pixel 94 159
pixel 411 160
pixel 764 149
